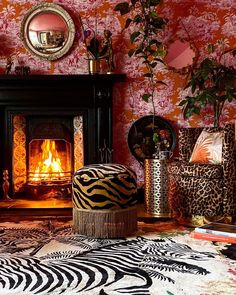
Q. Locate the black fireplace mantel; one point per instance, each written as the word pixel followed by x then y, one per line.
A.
pixel 83 90
pixel 90 95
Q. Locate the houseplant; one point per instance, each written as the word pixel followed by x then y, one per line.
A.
pixel 146 23
pixel 211 83
pixel 95 46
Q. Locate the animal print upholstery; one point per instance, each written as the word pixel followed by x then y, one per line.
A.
pixel 104 186
pixel 203 189
pixel 104 198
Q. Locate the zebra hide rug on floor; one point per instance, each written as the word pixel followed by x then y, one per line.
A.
pixel 45 257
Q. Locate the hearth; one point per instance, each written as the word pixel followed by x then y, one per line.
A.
pixel 53 125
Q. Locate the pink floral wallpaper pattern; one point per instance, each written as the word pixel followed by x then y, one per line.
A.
pixel 201 21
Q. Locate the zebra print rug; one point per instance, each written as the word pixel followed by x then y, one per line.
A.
pixel 47 258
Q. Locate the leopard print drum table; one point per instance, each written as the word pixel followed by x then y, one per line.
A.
pixel 104 199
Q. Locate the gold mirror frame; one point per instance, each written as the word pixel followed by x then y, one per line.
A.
pixel 48 44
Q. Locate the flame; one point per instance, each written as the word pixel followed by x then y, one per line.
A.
pixel 49 167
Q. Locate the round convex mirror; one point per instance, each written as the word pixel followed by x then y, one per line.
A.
pixel 48 31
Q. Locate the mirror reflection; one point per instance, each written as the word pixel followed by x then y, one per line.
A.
pixel 180 55
pixel 48 31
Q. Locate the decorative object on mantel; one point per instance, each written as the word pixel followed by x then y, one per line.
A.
pixel 22 70
pixel 212 82
pixel 9 65
pixel 48 31
pixel 97 47
pixel 6 186
pixel 108 49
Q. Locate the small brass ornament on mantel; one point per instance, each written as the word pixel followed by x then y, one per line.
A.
pixel 5 186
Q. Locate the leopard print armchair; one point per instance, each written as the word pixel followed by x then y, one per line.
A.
pixel 203 189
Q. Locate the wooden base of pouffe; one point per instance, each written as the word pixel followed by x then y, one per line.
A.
pixel 105 223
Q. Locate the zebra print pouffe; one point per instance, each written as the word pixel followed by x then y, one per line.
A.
pixel 104 199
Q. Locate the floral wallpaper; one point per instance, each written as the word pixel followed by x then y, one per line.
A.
pixel 200 21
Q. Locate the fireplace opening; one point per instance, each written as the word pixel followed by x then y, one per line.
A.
pixel 50 169
pixel 46 152
pixel 49 162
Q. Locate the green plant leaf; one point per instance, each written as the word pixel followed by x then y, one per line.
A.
pixel 153 64
pixel 161 82
pixel 210 48
pixel 123 8
pixel 148 75
pixel 155 137
pixel 131 52
pixel 128 22
pixel 138 51
pixel 134 2
pixel 183 102
pixel 137 19
pixel 159 60
pixel 153 14
pixel 193 84
pixel 133 36
pixel 146 96
pixel 154 2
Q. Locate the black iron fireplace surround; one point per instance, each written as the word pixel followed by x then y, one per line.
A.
pixel 52 96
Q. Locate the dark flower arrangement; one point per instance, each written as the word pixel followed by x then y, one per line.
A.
pixel 92 42
pixel 146 147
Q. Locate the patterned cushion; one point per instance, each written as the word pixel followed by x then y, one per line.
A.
pixel 208 148
pixel 104 186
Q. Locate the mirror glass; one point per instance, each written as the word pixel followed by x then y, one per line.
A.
pixel 48 31
pixel 180 55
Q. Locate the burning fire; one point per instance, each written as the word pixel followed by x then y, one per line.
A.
pixel 49 167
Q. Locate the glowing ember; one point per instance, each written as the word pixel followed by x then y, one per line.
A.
pixel 49 167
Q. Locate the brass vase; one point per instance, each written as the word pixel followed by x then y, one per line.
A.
pixel 156 188
pixel 94 66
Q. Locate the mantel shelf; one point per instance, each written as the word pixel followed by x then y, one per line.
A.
pixel 30 81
